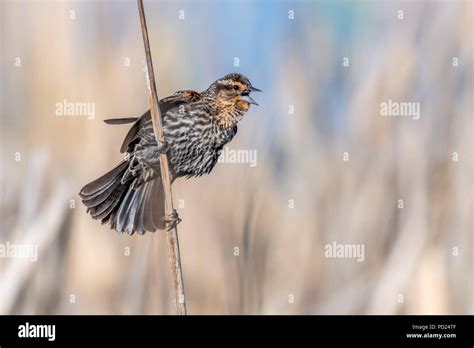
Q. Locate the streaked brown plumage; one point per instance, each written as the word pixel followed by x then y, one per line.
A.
pixel 196 127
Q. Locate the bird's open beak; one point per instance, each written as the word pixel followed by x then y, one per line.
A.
pixel 246 95
pixel 253 89
pixel 249 99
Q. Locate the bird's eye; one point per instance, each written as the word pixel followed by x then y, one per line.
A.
pixel 236 87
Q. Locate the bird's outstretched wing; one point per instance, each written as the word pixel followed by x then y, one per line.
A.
pixel 174 100
pixel 124 120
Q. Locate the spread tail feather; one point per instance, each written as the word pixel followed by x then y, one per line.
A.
pixel 126 209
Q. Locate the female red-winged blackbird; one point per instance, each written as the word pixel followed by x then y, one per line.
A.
pixel 196 126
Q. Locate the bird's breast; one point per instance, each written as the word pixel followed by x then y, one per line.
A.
pixel 194 151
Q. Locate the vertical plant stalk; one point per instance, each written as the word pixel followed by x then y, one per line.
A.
pixel 172 234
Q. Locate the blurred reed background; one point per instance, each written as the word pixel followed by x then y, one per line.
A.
pixel 417 259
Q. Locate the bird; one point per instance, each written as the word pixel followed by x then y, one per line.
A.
pixel 196 126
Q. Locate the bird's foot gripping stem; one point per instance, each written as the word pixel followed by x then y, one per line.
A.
pixel 163 147
pixel 172 220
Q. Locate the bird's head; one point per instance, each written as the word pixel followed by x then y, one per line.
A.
pixel 231 95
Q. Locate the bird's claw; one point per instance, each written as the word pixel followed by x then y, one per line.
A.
pixel 172 220
pixel 163 147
